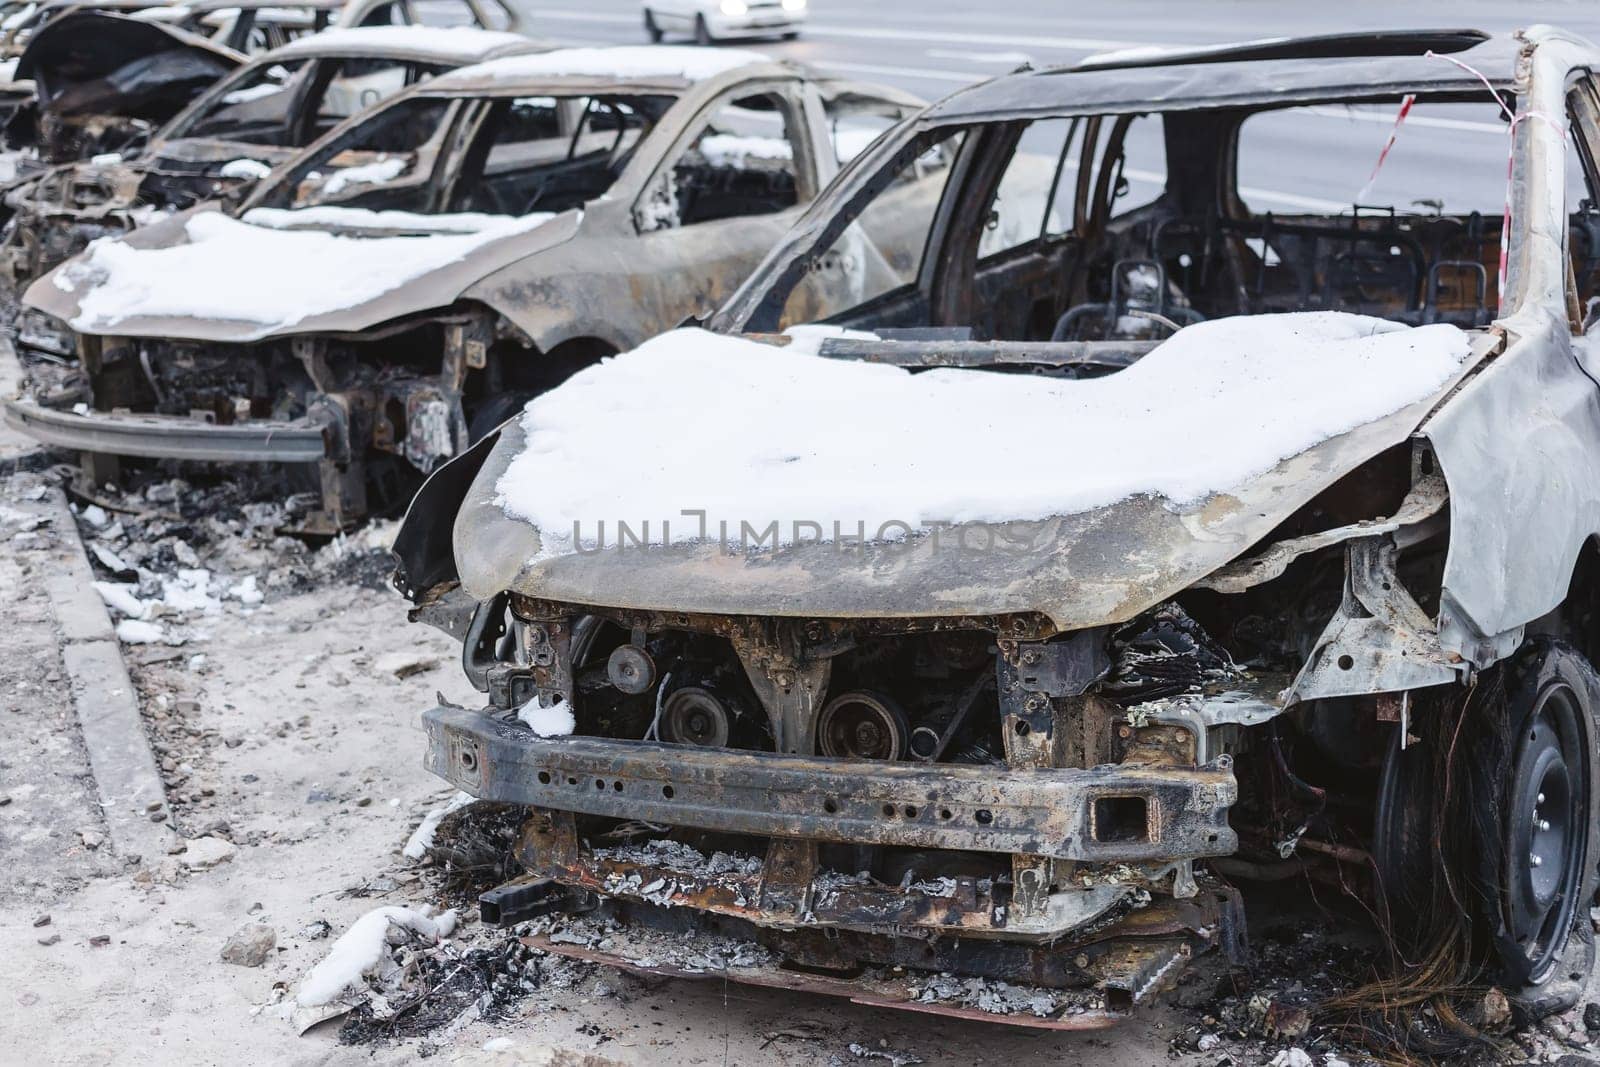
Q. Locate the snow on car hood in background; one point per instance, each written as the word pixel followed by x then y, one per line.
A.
pixel 792 437
pixel 270 273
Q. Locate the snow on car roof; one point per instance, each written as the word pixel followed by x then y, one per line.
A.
pixel 898 455
pixel 624 62
pixel 461 43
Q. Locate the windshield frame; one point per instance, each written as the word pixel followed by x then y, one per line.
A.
pixel 756 306
pixel 472 104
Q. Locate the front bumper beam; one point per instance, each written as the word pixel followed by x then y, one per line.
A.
pixel 1112 814
pixel 307 440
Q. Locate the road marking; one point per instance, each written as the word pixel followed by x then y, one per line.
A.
pixel 1013 58
pixel 1309 203
pixel 924 73
pixel 886 33
pixel 1386 118
pixel 1065 44
pixel 586 16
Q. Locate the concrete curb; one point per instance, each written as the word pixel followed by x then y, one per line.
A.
pixel 124 768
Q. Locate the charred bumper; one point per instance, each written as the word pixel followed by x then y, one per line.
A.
pixel 306 440
pixel 957 941
pixel 1113 814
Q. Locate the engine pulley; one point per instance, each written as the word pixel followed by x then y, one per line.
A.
pixel 863 725
pixel 695 716
pixel 631 669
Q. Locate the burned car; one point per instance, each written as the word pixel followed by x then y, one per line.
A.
pixel 959 653
pixel 413 277
pixel 232 136
pixel 88 77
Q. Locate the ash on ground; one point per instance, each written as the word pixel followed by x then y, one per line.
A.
pixel 171 556
pixel 430 990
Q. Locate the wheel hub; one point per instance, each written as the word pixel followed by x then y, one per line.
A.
pixel 1544 825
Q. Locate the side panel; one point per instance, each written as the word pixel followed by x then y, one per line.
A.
pixel 1520 449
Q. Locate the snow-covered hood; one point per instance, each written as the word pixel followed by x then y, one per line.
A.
pixel 828 488
pixel 203 275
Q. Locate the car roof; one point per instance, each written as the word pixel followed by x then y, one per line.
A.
pixel 1283 70
pixel 677 66
pixel 456 44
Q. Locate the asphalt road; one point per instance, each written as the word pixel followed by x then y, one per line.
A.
pixel 1317 160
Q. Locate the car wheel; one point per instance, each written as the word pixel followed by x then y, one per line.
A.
pixel 702 31
pixel 1516 776
pixel 652 30
pixel 1533 778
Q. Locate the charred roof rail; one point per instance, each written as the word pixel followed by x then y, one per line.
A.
pixel 1321 46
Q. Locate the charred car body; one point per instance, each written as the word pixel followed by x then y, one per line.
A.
pixel 882 767
pixel 427 267
pixel 231 136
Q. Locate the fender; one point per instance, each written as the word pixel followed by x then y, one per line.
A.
pixel 424 548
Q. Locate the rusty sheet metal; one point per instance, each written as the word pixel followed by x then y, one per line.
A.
pixel 870 992
pixel 1094 568
pixel 1518 448
pixel 1379 641
pixel 1045 812
pixel 1426 500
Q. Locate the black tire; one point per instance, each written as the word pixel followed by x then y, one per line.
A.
pixel 652 30
pixel 702 31
pixel 493 412
pixel 1533 780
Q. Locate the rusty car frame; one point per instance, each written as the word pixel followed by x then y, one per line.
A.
pixel 931 779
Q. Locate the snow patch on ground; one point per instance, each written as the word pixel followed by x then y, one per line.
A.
pixel 421 838
pixel 190 591
pixel 361 948
pixel 230 270
pixel 139 632
pixel 123 598
pixel 554 721
pixel 802 439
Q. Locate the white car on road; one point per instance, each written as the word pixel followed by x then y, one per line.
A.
pixel 714 20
